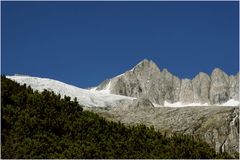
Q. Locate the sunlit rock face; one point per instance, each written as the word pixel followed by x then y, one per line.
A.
pixel 186 93
pixel 201 87
pixel 219 90
pixel 146 79
pixel 143 80
pixel 234 87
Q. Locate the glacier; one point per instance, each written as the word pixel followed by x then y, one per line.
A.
pixel 90 98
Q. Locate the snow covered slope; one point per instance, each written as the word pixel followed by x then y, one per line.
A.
pixel 85 97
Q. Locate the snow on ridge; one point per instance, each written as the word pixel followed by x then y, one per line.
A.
pixel 119 75
pixel 85 97
pixel 106 90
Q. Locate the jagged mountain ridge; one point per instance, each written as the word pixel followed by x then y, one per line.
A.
pixel 146 80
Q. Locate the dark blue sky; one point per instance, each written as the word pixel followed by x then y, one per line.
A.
pixel 83 43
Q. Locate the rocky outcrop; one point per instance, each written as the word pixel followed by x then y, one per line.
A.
pixel 219 90
pixel 234 87
pixel 231 143
pixel 201 87
pixel 186 93
pixel 141 104
pixel 146 79
pixel 217 125
pixel 176 88
pixel 170 86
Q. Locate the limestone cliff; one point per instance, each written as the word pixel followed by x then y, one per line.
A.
pixel 146 79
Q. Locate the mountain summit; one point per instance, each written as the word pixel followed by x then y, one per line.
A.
pixel 146 80
pixel 146 64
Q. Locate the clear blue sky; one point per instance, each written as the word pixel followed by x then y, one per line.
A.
pixel 83 43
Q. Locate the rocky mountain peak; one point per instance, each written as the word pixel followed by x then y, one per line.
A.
pixel 165 71
pixel 218 72
pixel 202 74
pixel 145 79
pixel 219 90
pixel 201 85
pixel 146 65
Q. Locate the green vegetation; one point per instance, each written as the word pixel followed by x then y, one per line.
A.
pixel 42 125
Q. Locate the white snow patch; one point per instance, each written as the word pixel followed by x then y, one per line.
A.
pixel 85 97
pixel 106 90
pixel 93 89
pixel 230 102
pixel 181 104
pixel 108 86
pixel 157 105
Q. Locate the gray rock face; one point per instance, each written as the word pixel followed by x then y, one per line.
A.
pixel 201 87
pixel 186 93
pixel 141 104
pixel 219 90
pixel 145 79
pixel 217 125
pixel 170 86
pixel 231 143
pixel 142 80
pixel 176 88
pixel 234 87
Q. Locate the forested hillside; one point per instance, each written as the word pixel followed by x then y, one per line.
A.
pixel 46 125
